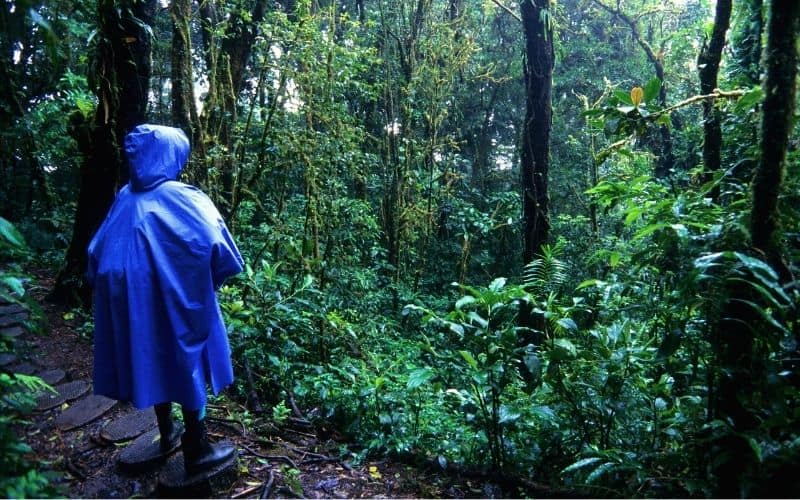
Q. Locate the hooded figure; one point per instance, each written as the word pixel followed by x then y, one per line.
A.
pixel 154 265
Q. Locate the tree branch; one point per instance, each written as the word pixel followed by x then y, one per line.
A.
pixel 716 94
pixel 511 12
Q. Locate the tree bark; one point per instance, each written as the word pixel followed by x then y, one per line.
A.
pixel 776 126
pixel 184 112
pixel 535 154
pixel 122 79
pixel 708 64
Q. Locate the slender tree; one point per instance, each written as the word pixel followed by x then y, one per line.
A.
pixel 742 348
pixel 708 67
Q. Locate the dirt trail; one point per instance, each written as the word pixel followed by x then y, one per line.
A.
pixel 289 461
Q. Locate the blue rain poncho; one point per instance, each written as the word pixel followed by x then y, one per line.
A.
pixel 154 265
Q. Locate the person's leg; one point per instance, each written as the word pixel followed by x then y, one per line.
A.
pixel 198 453
pixel 166 426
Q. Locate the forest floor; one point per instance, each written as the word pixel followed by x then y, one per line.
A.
pixel 275 461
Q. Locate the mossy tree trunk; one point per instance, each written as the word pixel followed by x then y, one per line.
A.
pixel 184 111
pixel 227 64
pixel 780 62
pixel 122 82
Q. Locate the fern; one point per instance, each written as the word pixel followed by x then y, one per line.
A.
pixel 544 276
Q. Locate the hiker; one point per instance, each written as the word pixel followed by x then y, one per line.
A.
pixel 154 265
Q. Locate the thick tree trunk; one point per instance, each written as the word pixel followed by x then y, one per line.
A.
pixel 708 64
pixel 776 125
pixel 535 154
pixel 124 46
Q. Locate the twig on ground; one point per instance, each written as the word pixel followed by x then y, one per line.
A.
pixel 255 453
pixel 320 459
pixel 301 433
pixel 293 404
pixel 248 491
pixel 74 470
pixel 267 491
pixel 306 453
pixel 226 422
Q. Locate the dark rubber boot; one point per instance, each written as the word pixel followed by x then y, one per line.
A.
pixel 198 454
pixel 170 432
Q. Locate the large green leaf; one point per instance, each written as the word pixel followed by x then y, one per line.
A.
pixel 13 284
pixel 563 349
pixel 419 377
pixel 508 415
pixel 651 89
pixel 581 463
pixel 623 97
pixel 497 284
pixel 465 300
pixel 599 471
pixel 470 359
pixel 9 236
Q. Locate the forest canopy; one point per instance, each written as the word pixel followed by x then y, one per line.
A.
pixel 555 238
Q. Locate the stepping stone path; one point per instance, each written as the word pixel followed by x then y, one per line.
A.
pixel 129 426
pixel 70 408
pixel 63 393
pixel 84 411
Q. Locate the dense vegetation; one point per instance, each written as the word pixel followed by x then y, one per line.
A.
pixel 436 268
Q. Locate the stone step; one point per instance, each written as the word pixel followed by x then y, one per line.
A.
pixel 145 453
pixel 174 483
pixel 24 368
pixel 12 309
pixel 52 377
pixel 7 358
pixel 64 392
pixel 84 411
pixel 12 332
pixel 129 426
pixel 13 319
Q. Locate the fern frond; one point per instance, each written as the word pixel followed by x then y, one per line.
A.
pixel 546 274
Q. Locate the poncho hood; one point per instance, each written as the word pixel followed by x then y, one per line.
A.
pixel 156 154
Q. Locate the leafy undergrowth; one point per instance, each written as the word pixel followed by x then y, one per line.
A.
pixel 293 458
